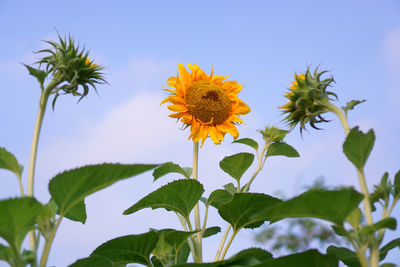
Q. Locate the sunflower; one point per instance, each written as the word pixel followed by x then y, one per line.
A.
pixel 206 103
pixel 308 99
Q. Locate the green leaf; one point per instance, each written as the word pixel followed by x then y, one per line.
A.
pixel 397 184
pixel 281 149
pixel 354 218
pixel 71 187
pixel 247 141
pixel 7 255
pixel 180 196
pixel 351 104
pixel 385 223
pixel 345 255
pixel 236 165
pixel 395 243
pixel 17 218
pixel 93 261
pixel 257 253
pixel 167 168
pixel 9 162
pixel 77 212
pixel 358 146
pixel 242 210
pixel 176 238
pixel 230 188
pixel 309 258
pixel 330 205
pixel 129 249
pixel 211 231
pixel 39 74
pixel 219 197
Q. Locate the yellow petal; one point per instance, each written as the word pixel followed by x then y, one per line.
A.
pixel 177 108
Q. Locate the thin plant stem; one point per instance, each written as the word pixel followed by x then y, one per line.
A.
pixel 260 165
pixel 35 141
pixel 49 243
pixel 191 240
pixel 205 219
pixel 221 245
pixel 228 244
pixel 196 208
pixel 374 256
pixel 21 186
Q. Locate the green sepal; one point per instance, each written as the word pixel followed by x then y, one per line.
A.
pixel 396 184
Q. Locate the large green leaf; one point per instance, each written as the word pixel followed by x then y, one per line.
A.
pixel 9 162
pixel 236 165
pixel 257 253
pixel 180 196
pixel 17 218
pixel 281 149
pixel 330 205
pixel 247 141
pixel 71 187
pixel 345 255
pixel 94 261
pixel 242 210
pixel 167 168
pixel 129 249
pixel 358 146
pixel 218 197
pixel 309 258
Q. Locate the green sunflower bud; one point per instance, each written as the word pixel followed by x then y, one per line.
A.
pixel 308 99
pixel 70 67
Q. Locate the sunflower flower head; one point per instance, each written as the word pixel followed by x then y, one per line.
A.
pixel 70 67
pixel 206 103
pixel 308 97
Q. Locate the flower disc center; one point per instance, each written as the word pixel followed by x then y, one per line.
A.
pixel 208 102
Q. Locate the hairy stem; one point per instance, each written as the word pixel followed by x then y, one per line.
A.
pixel 49 243
pixel 35 140
pixel 221 245
pixel 197 223
pixel 21 186
pixel 191 240
pixel 228 244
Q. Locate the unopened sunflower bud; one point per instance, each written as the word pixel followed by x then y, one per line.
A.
pixel 308 99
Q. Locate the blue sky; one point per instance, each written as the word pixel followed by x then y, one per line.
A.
pixel 261 44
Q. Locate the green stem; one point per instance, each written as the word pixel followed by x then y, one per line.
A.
pixel 205 220
pixel 49 243
pixel 374 259
pixel 229 244
pixel 196 208
pixel 191 240
pixel 36 133
pixel 260 165
pixel 221 245
pixel 21 186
